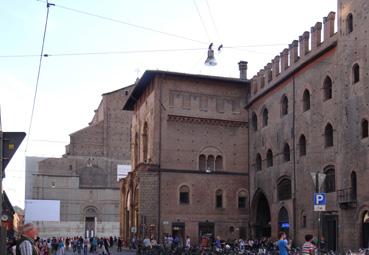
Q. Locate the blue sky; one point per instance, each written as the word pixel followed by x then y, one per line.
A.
pixel 70 87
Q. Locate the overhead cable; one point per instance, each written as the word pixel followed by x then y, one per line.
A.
pixel 38 72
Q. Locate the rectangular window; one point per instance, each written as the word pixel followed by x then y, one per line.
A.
pixel 220 104
pixel 183 198
pixel 203 103
pixel 241 202
pixel 186 101
pixel 219 201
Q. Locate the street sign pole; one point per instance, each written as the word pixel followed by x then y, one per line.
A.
pixel 319 201
pixel 319 215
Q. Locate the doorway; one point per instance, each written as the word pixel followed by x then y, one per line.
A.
pixel 283 221
pixel 178 229
pixel 206 229
pixel 365 230
pixel 89 227
pixel 330 233
pixel 262 220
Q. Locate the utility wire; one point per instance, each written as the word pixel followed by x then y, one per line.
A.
pixel 129 24
pixel 201 19
pixel 133 51
pixel 213 21
pixel 38 72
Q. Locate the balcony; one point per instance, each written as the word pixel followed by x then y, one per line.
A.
pixel 346 198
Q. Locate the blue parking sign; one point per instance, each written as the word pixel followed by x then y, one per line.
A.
pixel 320 199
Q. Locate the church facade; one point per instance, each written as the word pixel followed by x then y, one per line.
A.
pixel 84 180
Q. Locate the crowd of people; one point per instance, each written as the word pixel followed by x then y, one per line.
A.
pixel 30 244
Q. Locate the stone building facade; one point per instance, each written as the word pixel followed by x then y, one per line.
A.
pixel 189 164
pixel 308 113
pixel 85 178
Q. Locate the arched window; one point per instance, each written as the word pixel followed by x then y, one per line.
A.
pixel 284 189
pixel 219 163
pixel 355 73
pixel 202 162
pixel 286 152
pixel 265 117
pixel 145 142
pixel 284 105
pixel 330 179
pixel 269 158
pixel 184 195
pixel 328 135
pixel 327 88
pixel 210 163
pixel 302 145
pixel 254 121
pixel 219 199
pixel 306 101
pixel 350 23
pixel 364 128
pixel 353 186
pixel 242 198
pixel 258 162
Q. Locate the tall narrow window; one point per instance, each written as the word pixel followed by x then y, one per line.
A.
pixel 265 117
pixel 286 153
pixel 184 195
pixel 327 88
pixel 210 163
pixel 258 162
pixel 242 199
pixel 269 158
pixel 219 163
pixel 145 142
pixel 364 128
pixel 136 155
pixel 306 101
pixel 219 199
pixel 254 121
pixel 330 180
pixel 202 162
pixel 302 145
pixel 350 23
pixel 353 186
pixel 284 189
pixel 284 105
pixel 328 135
pixel 355 73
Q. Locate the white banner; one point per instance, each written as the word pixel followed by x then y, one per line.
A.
pixel 42 210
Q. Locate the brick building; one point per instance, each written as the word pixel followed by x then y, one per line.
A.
pixel 85 178
pixel 307 112
pixel 189 164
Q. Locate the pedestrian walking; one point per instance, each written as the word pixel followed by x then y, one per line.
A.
pixel 26 244
pixel 283 244
pixel 308 248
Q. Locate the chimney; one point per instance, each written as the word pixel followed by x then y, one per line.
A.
pixel 293 52
pixel 242 66
pixel 329 25
pixel 268 72
pixel 316 35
